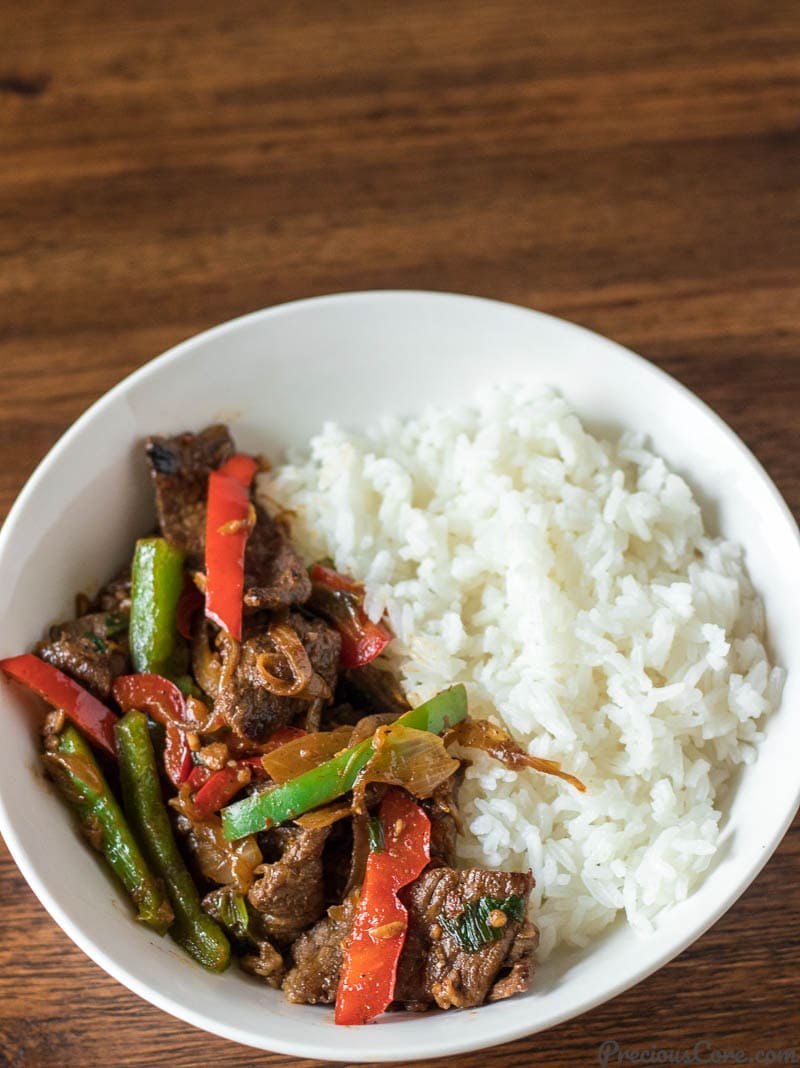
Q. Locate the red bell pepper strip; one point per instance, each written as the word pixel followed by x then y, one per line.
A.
pixel 227 517
pixel 221 788
pixel 214 789
pixel 335 579
pixel 241 467
pixel 339 599
pixel 369 970
pixel 254 763
pixel 198 776
pixel 191 601
pixel 87 713
pixel 163 702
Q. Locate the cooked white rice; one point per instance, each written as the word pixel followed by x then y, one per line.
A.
pixel 568 582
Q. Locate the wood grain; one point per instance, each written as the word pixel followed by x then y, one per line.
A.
pixel 631 166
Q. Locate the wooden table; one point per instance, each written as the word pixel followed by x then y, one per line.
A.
pixel 632 166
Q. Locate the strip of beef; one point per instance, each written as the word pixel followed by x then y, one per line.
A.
pixel 317 957
pixel 517 971
pixel 274 576
pixel 435 968
pixel 266 963
pixel 93 649
pixel 372 689
pixel 115 596
pixel 337 860
pixel 341 715
pixel 443 814
pixel 180 467
pixel 290 894
pixel 246 702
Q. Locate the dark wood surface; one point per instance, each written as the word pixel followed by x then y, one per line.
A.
pixel 632 166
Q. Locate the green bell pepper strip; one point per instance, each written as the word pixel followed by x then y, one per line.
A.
pixel 156 587
pixel 337 775
pixel 199 935
pixel 82 784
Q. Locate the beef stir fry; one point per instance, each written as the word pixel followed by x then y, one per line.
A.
pixel 230 736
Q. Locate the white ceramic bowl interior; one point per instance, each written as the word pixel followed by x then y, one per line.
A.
pixel 275 376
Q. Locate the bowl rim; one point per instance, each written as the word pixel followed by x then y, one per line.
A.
pixel 488 1035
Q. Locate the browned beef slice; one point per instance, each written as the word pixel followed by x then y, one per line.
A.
pixel 434 968
pixel 443 814
pixel 337 859
pixel 274 576
pixel 520 960
pixel 180 467
pixel 115 596
pixel 93 649
pixel 263 959
pixel 342 715
pixel 372 689
pixel 290 894
pixel 317 957
pixel 266 963
pixel 245 701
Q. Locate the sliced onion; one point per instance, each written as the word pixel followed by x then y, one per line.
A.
pixel 231 654
pixel 291 650
pixel 325 816
pixel 223 862
pixel 489 738
pixel 206 666
pixel 292 759
pixel 416 760
pixel 199 718
pixel 318 693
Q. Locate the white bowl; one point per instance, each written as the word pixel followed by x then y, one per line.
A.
pixel 275 376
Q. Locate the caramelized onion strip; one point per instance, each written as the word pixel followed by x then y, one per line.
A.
pixel 325 816
pixel 231 653
pixel 487 736
pixel 288 647
pixel 206 666
pixel 301 755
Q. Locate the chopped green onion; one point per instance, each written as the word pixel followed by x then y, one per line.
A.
pixel 471 928
pixel 375 833
pixel 115 624
pixel 230 909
